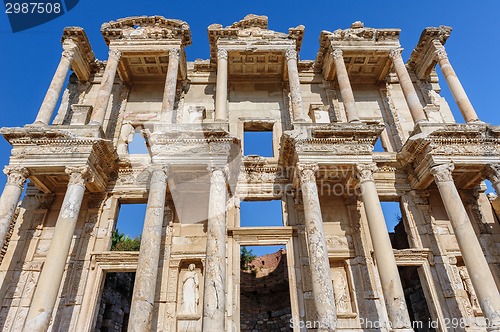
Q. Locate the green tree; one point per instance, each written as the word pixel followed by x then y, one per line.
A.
pixel 246 257
pixel 122 242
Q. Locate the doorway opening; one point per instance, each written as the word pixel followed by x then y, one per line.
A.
pixel 116 299
pixel 264 289
pixel 416 302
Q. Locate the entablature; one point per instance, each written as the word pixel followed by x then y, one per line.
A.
pixel 365 52
pixel 471 148
pixel 423 59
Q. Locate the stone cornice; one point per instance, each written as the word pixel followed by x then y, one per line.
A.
pixel 253 28
pixel 146 27
pixel 423 60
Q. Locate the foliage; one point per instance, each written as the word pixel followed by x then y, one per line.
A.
pixel 122 242
pixel 246 257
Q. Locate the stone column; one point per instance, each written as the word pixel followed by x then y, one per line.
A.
pixel 16 178
pixel 345 86
pixel 167 107
pixel 386 262
pixel 108 79
pixel 221 88
pixel 474 259
pixel 294 81
pixel 416 109
pixel 456 87
pixel 494 177
pixel 47 289
pixel 319 263
pixel 52 96
pixel 214 297
pixel 141 310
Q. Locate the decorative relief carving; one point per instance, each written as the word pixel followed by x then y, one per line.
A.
pixel 114 53
pixel 442 173
pixel 290 54
pixel 307 171
pixel 441 54
pixel 337 54
pixel 222 54
pixel 494 173
pixel 174 53
pixel 16 175
pixel 364 172
pixel 78 175
pixel 395 53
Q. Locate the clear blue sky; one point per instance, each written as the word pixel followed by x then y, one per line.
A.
pixel 29 58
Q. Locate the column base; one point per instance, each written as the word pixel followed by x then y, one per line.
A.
pixel 476 121
pixel 94 123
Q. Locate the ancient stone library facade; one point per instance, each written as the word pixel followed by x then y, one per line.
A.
pixel 348 131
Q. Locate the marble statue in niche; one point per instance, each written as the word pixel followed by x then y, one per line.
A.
pixel 190 294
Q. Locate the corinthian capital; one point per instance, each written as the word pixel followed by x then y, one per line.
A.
pixel 395 53
pixel 494 173
pixel 114 53
pixel 222 53
pixel 338 54
pixel 307 171
pixel 290 54
pixel 174 53
pixel 218 173
pixel 440 54
pixel 78 175
pixel 442 173
pixel 16 175
pixel 364 172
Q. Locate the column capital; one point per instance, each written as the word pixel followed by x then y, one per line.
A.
pixel 364 172
pixel 442 173
pixel 78 175
pixel 16 175
pixel 440 54
pixel 290 54
pixel 307 171
pixel 221 54
pixel 218 169
pixel 164 168
pixel 338 54
pixel 494 173
pixel 174 53
pixel 115 53
pixel 68 54
pixel 395 53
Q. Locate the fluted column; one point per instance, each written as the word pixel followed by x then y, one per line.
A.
pixel 382 248
pixel 474 259
pixel 321 277
pixel 214 297
pixel 294 81
pixel 108 79
pixel 167 106
pixel 16 178
pixel 52 96
pixel 456 87
pixel 345 86
pixel 141 310
pixel 416 109
pixel 47 289
pixel 221 88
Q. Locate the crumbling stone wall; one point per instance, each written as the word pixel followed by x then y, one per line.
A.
pixel 265 295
